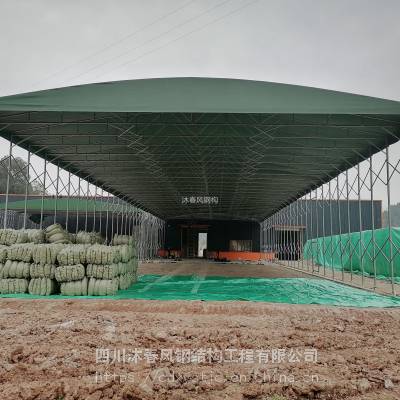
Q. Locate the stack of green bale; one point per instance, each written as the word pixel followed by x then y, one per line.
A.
pixel 96 269
pixel 56 234
pixel 64 267
pixel 83 237
pixel 13 274
pixel 29 267
pixel 129 266
pixel 9 237
pixel 111 268
pixel 43 269
pixel 26 262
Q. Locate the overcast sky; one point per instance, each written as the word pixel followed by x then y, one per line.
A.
pixel 347 45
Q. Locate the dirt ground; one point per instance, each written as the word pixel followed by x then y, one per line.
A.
pixel 62 349
pixel 135 349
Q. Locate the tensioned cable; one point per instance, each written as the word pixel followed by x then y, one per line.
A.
pixel 115 43
pixel 162 34
pixel 133 60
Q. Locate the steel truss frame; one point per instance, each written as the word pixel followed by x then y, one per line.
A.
pixel 242 158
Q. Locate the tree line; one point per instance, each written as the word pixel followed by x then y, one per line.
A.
pixel 18 177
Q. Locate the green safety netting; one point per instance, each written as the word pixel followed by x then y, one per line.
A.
pixel 367 252
pixel 211 288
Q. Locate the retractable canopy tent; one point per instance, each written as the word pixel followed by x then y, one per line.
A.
pixel 254 146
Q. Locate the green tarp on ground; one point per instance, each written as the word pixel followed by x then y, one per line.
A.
pixel 367 252
pixel 278 290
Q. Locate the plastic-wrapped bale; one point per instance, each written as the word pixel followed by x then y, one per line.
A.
pixel 123 239
pixel 72 237
pixel 83 237
pixel 12 236
pixel 35 235
pixel 132 277
pixel 56 234
pixel 68 273
pixel 127 252
pixel 122 268
pixel 132 265
pixel 126 280
pixel 127 273
pixel 46 253
pixel 3 253
pixel 123 282
pixel 102 254
pixel 42 271
pixel 42 286
pixel 75 288
pixel 72 254
pixel 14 269
pixel 21 252
pixel 99 271
pixel 102 287
pixel 11 286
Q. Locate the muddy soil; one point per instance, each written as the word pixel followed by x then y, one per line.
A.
pixel 134 349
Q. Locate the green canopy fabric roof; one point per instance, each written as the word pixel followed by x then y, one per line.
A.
pixel 198 95
pixel 253 145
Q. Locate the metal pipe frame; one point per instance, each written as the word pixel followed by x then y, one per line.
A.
pixel 344 229
pixel 56 184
